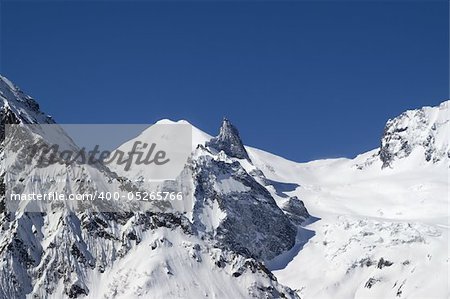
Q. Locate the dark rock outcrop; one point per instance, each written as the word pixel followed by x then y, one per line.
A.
pixel 229 141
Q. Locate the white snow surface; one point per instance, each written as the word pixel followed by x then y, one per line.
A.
pixel 399 214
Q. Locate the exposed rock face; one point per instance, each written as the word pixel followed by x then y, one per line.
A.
pixel 6 117
pixel 250 222
pixel 229 141
pixel 425 130
pixel 296 211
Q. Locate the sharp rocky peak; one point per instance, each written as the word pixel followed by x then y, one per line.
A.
pixel 229 141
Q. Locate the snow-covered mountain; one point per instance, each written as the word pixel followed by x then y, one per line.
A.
pixel 379 224
pixel 215 247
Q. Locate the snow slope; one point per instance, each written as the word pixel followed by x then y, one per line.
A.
pixel 369 215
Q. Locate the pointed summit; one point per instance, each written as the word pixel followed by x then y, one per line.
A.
pixel 14 103
pixel 229 141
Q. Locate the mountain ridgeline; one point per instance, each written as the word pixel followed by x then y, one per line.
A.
pixel 215 245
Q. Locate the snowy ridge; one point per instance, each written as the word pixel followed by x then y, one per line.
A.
pixel 24 107
pixel 425 130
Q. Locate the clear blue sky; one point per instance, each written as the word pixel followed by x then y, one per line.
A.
pixel 300 79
